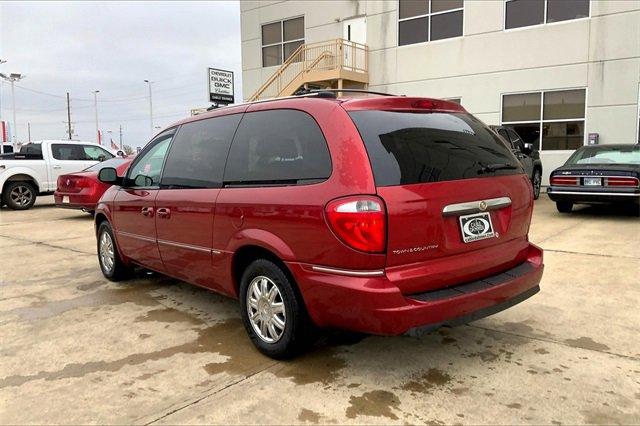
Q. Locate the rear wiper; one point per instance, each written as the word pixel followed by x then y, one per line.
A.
pixel 490 168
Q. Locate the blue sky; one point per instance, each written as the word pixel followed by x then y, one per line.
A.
pixel 113 47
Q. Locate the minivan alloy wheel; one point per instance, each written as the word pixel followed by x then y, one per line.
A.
pixel 107 253
pixel 21 195
pixel 265 309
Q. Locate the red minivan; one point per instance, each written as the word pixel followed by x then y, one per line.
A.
pixel 375 214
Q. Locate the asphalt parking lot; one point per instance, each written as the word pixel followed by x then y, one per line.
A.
pixel 78 349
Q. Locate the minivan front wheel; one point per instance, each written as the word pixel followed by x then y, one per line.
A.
pixel 272 312
pixel 112 266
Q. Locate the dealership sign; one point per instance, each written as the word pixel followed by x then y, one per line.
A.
pixel 220 86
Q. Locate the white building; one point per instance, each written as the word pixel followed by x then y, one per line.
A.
pixel 556 70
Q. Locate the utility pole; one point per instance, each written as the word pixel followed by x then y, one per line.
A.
pixel 69 115
pixel 121 136
pixel 150 108
pixel 29 130
pixel 12 78
pixel 95 105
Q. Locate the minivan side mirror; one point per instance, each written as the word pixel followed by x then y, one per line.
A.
pixel 109 175
pixel 528 148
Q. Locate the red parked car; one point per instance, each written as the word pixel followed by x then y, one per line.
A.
pixel 379 215
pixel 82 190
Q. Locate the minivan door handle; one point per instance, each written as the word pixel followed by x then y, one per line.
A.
pixel 164 213
pixel 147 211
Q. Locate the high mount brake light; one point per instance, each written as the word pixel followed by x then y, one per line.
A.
pixel 360 222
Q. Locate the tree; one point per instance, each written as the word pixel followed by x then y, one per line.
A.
pixel 128 150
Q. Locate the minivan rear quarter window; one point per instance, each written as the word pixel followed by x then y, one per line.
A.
pixel 408 148
pixel 278 147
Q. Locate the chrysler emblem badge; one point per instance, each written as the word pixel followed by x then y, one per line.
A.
pixel 482 206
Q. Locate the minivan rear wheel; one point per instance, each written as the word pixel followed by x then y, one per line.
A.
pixel 272 311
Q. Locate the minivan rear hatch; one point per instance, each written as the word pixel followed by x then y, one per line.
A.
pixel 457 201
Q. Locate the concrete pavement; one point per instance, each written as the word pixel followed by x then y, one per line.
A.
pixel 78 349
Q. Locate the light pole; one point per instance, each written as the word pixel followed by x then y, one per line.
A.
pixel 150 108
pixel 95 105
pixel 12 78
pixel 2 61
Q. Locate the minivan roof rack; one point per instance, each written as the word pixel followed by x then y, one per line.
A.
pixel 329 92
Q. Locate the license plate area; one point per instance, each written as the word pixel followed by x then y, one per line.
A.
pixel 475 227
pixel 65 199
pixel 591 181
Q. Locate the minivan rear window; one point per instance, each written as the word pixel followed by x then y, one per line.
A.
pixel 277 147
pixel 418 147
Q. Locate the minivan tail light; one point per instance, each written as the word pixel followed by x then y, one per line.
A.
pixel 360 222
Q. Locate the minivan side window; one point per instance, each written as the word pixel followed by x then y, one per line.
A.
pixel 147 168
pixel 198 153
pixel 277 147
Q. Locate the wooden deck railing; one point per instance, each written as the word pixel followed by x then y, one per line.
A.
pixel 324 56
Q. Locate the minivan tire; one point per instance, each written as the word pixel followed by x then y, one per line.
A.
pixel 19 195
pixel 117 270
pixel 295 335
pixel 564 206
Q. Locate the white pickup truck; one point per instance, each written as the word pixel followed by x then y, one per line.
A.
pixel 34 170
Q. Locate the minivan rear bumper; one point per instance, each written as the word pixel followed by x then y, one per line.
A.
pixel 372 304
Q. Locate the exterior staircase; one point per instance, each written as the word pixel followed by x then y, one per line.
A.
pixel 335 64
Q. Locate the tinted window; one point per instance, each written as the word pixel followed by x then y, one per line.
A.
pixel 413 31
pixel 31 151
pixel 148 166
pixel 446 25
pixel 562 10
pixel 406 148
pixel 521 107
pixel 564 104
pixel 68 152
pixel 275 147
pixel 198 153
pixel 515 140
pixel 522 13
pixel 562 135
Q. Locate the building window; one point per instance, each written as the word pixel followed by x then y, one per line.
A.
pixel 420 21
pixel 550 120
pixel 280 39
pixel 524 13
